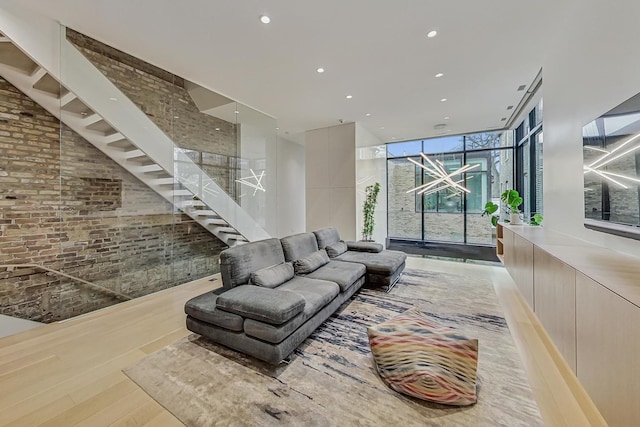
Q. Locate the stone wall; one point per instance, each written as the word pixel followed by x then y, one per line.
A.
pixel 65 205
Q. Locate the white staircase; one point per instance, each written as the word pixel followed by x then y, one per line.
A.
pixel 88 103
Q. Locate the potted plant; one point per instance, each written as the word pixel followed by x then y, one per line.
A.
pixel 370 201
pixel 512 201
pixel 489 209
pixel 536 219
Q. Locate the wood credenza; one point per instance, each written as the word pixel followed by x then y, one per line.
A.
pixel 588 300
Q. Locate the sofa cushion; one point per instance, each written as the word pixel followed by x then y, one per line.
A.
pixel 384 263
pixel 335 249
pixel 267 305
pixel 311 263
pixel 316 293
pixel 326 236
pixel 365 247
pixel 237 263
pixel 203 307
pixel 345 274
pixel 272 277
pixel 299 246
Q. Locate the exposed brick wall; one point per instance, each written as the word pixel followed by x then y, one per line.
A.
pixel 66 205
pixel 162 96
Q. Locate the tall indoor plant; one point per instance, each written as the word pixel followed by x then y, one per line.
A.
pixel 370 201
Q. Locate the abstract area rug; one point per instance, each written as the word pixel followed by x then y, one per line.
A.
pixel 331 379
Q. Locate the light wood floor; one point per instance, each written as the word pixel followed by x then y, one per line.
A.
pixel 69 373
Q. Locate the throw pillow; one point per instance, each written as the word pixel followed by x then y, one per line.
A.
pixel 272 277
pixel 364 247
pixel 311 263
pixel 420 358
pixel 338 248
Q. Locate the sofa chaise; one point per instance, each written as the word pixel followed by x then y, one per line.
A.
pixel 384 267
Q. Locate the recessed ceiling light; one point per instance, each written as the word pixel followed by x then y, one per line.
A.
pixel 113 99
pixel 320 70
pixel 439 75
pixel 237 112
pixel 349 96
pixel 176 117
pixel 381 127
pixel 277 128
pixel 265 19
pixel 448 130
pixel 367 114
pixel 443 100
pixel 217 128
pixel 447 117
pixel 431 34
pixel 393 137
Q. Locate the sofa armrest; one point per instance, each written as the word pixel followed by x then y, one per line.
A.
pixel 364 247
pixel 267 305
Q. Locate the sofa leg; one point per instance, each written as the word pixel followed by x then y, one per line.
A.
pixel 388 288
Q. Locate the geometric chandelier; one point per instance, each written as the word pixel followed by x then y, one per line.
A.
pixel 442 179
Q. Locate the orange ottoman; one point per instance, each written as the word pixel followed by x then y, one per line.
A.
pixel 420 358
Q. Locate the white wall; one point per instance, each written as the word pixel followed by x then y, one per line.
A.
pixel 591 66
pixel 371 167
pixel 330 179
pixel 291 188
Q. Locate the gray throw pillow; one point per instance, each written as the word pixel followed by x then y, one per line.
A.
pixel 272 277
pixel 311 263
pixel 338 248
pixel 364 247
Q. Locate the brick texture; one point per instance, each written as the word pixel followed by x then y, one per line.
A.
pixel 66 205
pixel 163 98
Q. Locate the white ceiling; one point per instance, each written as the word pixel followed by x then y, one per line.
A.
pixel 375 50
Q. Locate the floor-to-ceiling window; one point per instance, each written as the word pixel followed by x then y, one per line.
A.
pixel 439 210
pixel 529 149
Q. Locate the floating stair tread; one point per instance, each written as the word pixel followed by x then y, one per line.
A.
pixel 13 57
pixel 227 230
pixel 142 160
pixel 102 127
pixel 77 107
pixel 49 85
pixel 122 144
pixel 217 221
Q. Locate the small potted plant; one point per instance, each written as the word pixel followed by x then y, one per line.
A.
pixel 490 209
pixel 512 201
pixel 536 219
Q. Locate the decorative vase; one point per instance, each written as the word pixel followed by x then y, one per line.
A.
pixel 514 219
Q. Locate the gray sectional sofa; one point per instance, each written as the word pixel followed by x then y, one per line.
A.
pixel 275 293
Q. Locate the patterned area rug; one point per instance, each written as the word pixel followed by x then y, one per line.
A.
pixel 331 379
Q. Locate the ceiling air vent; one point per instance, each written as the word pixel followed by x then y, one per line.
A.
pixel 440 126
pixel 521 88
